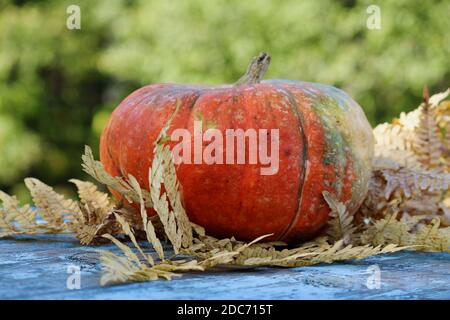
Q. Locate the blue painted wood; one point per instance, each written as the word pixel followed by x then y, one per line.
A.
pixel 35 267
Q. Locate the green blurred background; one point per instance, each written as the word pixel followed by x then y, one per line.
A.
pixel 58 86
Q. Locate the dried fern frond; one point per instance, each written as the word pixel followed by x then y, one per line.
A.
pixel 96 216
pixel 171 186
pixel 161 205
pixel 415 140
pixel 163 172
pixel 176 223
pixel 92 223
pixel 96 170
pixel 339 252
pixel 392 141
pixel 410 181
pixel 408 232
pixel 119 269
pixel 88 193
pixel 15 219
pixel 51 206
pixel 432 238
pixel 426 140
pixel 340 223
pixel 324 253
pixel 147 224
pixel 388 230
pixel 418 191
pixel 88 219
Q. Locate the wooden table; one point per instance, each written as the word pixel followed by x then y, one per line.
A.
pixel 35 267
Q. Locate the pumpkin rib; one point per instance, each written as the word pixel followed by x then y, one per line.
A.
pixel 121 142
pixel 189 92
pixel 207 94
pixel 160 95
pixel 246 187
pixel 271 97
pixel 134 101
pixel 187 180
pixel 109 160
pixel 245 172
pixel 175 92
pixel 303 162
pixel 217 94
pixel 191 107
pixel 135 105
pixel 313 207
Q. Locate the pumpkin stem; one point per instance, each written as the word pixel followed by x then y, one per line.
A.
pixel 256 70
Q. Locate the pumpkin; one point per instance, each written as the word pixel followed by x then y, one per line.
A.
pixel 325 143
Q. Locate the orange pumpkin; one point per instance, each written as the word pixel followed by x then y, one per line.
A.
pixel 325 143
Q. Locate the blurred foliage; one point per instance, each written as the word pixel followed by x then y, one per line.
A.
pixel 58 86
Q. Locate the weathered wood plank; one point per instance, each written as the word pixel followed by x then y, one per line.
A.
pixel 35 267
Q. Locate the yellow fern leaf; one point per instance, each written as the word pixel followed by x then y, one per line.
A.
pixel 52 206
pixel 340 223
pixel 89 193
